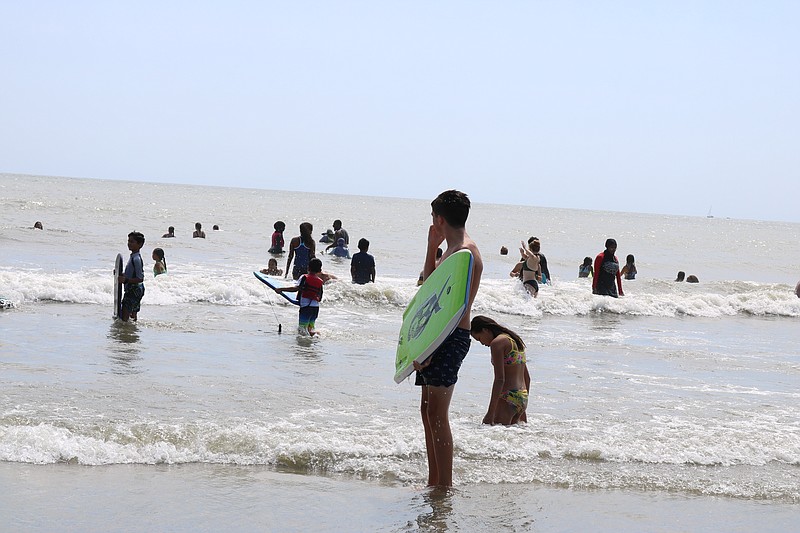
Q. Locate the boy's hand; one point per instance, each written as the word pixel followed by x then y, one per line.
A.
pixel 434 237
pixel 418 366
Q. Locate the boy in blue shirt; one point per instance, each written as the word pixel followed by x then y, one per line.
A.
pixel 133 279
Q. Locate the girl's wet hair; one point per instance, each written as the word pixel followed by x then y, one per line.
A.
pixel 480 322
pixel 160 254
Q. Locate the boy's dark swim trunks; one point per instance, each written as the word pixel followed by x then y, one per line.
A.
pixel 446 361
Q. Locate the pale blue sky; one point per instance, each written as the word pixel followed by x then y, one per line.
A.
pixel 660 107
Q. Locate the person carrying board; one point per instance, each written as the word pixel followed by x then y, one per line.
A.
pixel 438 374
pixel 133 279
pixel 309 289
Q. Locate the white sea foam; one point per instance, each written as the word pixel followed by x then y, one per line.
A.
pixel 569 298
pixel 323 441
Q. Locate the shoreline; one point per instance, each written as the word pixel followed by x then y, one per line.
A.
pixel 202 497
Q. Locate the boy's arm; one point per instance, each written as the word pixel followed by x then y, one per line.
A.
pixel 287 289
pixel 434 240
pixel 598 263
pixel 619 282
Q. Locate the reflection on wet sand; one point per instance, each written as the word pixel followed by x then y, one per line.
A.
pixel 439 501
pixel 124 348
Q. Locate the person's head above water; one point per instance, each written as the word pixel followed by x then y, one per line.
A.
pixel 681 275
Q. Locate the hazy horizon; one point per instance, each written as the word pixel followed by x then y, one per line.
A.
pixel 623 106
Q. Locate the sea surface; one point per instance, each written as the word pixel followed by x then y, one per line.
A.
pixel 673 408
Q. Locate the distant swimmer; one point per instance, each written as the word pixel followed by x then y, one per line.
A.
pixel 681 275
pixel 215 228
pixel 531 268
pixel 607 280
pixel 512 381
pixel 338 233
pixel 544 272
pixel 692 279
pixel 797 289
pixel 160 266
pixel 198 231
pixel 276 246
pixel 362 265
pixel 328 236
pixel 301 250
pixel 170 233
pixel 629 270
pixel 272 268
pixel 585 270
pixel 37 225
pixel 340 250
pixel 503 250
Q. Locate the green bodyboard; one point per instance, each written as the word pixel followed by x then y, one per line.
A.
pixel 434 312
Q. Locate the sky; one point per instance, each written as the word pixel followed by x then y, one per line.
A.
pixel 678 107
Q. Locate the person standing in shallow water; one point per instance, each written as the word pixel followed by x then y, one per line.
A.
pixel 509 398
pixel 302 249
pixel 607 279
pixel 438 374
pixel 198 231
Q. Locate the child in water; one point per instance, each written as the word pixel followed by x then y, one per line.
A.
pixel 509 397
pixel 340 250
pixel 272 268
pixel 160 266
pixel 586 269
pixel 629 270
pixel 309 288
pixel 132 279
pixel 277 238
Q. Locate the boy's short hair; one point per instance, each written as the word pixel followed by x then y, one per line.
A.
pixel 279 225
pixel 363 244
pixel 138 237
pixel 315 266
pixel 453 206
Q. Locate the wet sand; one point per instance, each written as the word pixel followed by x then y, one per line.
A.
pixel 204 497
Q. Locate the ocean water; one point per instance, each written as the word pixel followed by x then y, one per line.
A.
pixel 675 397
